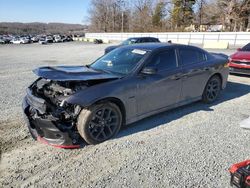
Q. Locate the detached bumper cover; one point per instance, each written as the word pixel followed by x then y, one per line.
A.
pixel 47 131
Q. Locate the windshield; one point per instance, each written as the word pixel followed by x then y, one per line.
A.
pixel 246 48
pixel 120 60
pixel 129 41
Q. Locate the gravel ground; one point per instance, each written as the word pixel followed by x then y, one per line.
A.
pixel 191 146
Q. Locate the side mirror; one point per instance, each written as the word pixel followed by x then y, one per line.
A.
pixel 149 70
pixel 238 49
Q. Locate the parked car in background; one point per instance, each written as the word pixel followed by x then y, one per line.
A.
pixel 22 40
pixel 49 39
pixel 69 103
pixel 35 39
pixel 133 41
pixel 43 41
pixel 98 41
pixel 240 61
pixel 6 39
pixel 69 39
pixel 2 41
pixel 58 38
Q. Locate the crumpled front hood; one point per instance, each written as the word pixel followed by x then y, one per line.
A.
pixel 72 73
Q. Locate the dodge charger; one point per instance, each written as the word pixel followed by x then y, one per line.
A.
pixel 70 105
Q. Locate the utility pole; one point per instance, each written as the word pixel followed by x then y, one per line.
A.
pixel 122 21
pixel 200 20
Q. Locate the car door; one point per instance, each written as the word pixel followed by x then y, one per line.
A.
pixel 195 72
pixel 161 89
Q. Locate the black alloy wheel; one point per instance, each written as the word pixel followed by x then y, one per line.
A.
pixel 99 123
pixel 212 89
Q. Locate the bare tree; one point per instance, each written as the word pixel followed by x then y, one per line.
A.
pixel 162 15
pixel 236 14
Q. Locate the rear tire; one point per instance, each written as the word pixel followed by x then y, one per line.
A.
pixel 212 89
pixel 99 123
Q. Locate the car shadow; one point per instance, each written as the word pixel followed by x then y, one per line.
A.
pixel 232 91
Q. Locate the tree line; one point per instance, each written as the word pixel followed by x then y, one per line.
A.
pixel 168 15
pixel 35 28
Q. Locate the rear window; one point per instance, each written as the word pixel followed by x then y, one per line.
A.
pixel 246 48
pixel 154 40
pixel 191 56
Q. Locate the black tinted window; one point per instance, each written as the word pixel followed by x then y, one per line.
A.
pixel 190 56
pixel 150 40
pixel 246 48
pixel 154 40
pixel 142 40
pixel 164 60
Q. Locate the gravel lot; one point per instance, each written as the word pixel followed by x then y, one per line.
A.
pixel 191 146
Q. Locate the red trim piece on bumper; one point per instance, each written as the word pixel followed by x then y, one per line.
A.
pixel 42 140
pixel 235 167
pixel 240 66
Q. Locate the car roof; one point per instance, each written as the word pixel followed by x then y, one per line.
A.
pixel 151 46
pixel 142 38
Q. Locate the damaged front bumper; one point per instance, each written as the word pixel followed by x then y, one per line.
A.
pixel 48 130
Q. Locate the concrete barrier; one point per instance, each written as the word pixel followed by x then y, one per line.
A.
pixel 106 41
pixel 216 45
pixel 232 38
pixel 186 42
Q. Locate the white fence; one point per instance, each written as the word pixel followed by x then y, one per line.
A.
pixel 233 38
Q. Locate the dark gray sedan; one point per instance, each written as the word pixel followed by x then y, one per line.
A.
pixel 69 104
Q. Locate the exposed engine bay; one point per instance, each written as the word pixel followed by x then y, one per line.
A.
pixel 53 94
pixel 49 116
pixel 55 91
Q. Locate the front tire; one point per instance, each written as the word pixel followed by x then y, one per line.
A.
pixel 212 90
pixel 99 123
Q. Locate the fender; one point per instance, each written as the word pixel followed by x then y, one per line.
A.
pixel 93 94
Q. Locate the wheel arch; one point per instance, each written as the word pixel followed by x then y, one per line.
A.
pixel 219 75
pixel 117 102
pixel 215 74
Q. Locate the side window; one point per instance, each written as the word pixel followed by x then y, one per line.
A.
pixel 142 40
pixel 154 40
pixel 190 56
pixel 165 60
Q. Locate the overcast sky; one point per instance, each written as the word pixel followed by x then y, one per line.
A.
pixel 65 11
